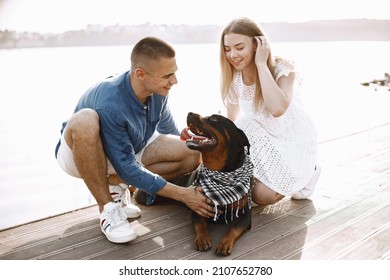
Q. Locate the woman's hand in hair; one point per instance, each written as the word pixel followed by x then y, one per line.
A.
pixel 262 50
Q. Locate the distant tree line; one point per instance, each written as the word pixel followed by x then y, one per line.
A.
pixel 347 30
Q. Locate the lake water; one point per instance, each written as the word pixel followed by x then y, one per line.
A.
pixel 40 87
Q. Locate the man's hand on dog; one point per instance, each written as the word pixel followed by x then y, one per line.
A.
pixel 192 196
pixel 196 200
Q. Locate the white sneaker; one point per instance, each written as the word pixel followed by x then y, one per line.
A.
pixel 120 194
pixel 114 224
pixel 310 187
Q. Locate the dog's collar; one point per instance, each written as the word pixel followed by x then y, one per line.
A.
pixel 225 188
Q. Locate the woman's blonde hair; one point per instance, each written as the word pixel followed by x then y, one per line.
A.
pixel 247 27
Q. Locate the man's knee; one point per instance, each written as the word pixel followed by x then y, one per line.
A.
pixel 194 159
pixel 82 125
pixel 83 118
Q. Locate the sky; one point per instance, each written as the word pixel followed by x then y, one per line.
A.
pixel 56 16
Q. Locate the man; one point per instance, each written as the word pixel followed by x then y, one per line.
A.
pixel 122 133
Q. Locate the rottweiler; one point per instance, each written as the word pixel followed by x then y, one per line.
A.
pixel 226 176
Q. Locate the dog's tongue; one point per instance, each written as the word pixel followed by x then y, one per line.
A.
pixel 186 134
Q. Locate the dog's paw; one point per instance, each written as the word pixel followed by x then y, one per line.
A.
pixel 224 247
pixel 202 243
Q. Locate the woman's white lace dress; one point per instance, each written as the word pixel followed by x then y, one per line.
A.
pixel 283 149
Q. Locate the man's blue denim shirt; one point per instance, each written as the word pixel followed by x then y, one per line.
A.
pixel 126 125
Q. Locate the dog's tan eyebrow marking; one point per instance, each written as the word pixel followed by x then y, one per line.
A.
pixel 227 134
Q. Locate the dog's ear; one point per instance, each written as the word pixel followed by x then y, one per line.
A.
pixel 244 139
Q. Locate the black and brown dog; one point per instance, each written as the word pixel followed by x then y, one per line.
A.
pixel 226 176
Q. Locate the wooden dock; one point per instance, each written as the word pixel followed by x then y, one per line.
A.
pixel 347 218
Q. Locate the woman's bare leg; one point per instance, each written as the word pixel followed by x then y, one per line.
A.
pixel 262 195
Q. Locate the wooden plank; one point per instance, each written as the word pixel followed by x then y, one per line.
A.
pixel 328 237
pixel 43 231
pixel 185 247
pixel 374 246
pixel 49 235
pixel 347 218
pixel 149 233
pixel 287 236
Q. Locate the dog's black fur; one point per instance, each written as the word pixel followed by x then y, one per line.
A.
pixel 222 145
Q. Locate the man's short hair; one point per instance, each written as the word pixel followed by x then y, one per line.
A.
pixel 147 49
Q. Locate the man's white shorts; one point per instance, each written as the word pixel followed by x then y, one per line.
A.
pixel 66 161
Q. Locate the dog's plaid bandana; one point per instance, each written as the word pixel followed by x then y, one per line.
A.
pixel 225 188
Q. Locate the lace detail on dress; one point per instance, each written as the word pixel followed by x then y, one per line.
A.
pixel 243 93
pixel 232 95
pixel 283 149
pixel 239 92
pixel 284 68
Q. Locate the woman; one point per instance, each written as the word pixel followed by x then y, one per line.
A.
pixel 260 94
